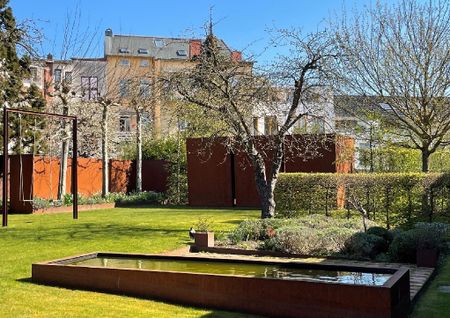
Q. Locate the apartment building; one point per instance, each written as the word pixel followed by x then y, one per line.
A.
pixel 133 64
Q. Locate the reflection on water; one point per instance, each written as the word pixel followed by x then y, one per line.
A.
pixel 240 269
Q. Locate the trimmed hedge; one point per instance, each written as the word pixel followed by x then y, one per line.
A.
pixel 392 198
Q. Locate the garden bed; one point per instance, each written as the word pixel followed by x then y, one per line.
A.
pixel 336 238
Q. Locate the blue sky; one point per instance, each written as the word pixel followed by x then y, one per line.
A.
pixel 241 24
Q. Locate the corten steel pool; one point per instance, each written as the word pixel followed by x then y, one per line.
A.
pixel 275 289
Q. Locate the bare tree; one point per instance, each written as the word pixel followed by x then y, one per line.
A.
pixel 66 94
pixel 230 93
pixel 399 56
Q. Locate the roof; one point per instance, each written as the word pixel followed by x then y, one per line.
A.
pixel 151 46
pixel 354 106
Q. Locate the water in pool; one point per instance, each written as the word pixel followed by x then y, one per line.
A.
pixel 239 269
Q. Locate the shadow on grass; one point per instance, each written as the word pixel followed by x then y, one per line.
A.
pixel 25 280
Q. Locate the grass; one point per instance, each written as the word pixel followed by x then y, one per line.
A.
pixel 33 238
pixel 434 303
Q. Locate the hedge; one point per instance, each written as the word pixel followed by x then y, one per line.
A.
pixel 393 198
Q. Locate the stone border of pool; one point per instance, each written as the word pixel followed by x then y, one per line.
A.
pixel 269 297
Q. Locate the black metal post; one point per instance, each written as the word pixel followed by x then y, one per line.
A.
pixel 5 169
pixel 75 169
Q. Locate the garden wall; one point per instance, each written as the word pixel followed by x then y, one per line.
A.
pixel 37 177
pixel 222 179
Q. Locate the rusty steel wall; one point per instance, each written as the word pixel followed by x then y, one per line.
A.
pixel 155 175
pixel 40 176
pixel 209 173
pixel 221 179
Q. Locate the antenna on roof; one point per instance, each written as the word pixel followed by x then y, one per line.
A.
pixel 210 21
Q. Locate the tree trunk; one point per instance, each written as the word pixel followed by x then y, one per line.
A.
pixel 64 157
pixel 63 170
pixel 265 184
pixel 425 160
pixel 425 168
pixel 372 169
pixel 105 154
pixel 267 202
pixel 138 151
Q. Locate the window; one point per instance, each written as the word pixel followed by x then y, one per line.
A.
pixel 124 88
pixel 124 62
pixel 143 63
pixel 144 88
pixel 124 50
pixel 255 125
pixel 270 125
pixel 57 75
pixel 142 51
pixel 318 125
pixel 89 88
pixel 34 75
pixel 159 42
pixel 124 124
pixel 182 124
pixel 68 77
pixel 181 53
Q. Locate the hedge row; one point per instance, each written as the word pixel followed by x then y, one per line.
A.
pixel 393 198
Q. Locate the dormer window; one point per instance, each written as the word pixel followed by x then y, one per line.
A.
pixel 124 50
pixel 181 53
pixel 142 51
pixel 124 62
pixel 159 42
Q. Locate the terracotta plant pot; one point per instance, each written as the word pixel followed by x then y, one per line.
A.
pixel 427 257
pixel 204 239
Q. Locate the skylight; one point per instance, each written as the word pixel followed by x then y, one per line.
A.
pixel 159 42
pixel 123 50
pixel 181 53
pixel 142 51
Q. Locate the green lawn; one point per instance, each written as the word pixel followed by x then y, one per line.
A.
pixel 434 303
pixel 33 238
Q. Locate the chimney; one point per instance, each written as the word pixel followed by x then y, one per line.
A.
pixel 195 48
pixel 236 56
pixel 108 41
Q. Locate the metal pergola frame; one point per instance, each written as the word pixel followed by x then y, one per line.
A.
pixel 74 187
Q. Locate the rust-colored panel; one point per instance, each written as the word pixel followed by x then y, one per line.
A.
pixel 345 154
pixel 209 185
pixel 209 173
pixel 46 177
pixel 155 175
pixel 122 176
pixel 255 295
pixel 89 176
pixel 305 153
pixel 21 168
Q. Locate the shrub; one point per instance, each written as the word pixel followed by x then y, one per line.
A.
pixel 364 245
pixel 173 151
pixel 404 246
pixel 203 224
pixel 312 235
pixel 144 197
pixel 394 198
pixel 308 241
pixel 381 232
pixel 424 235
